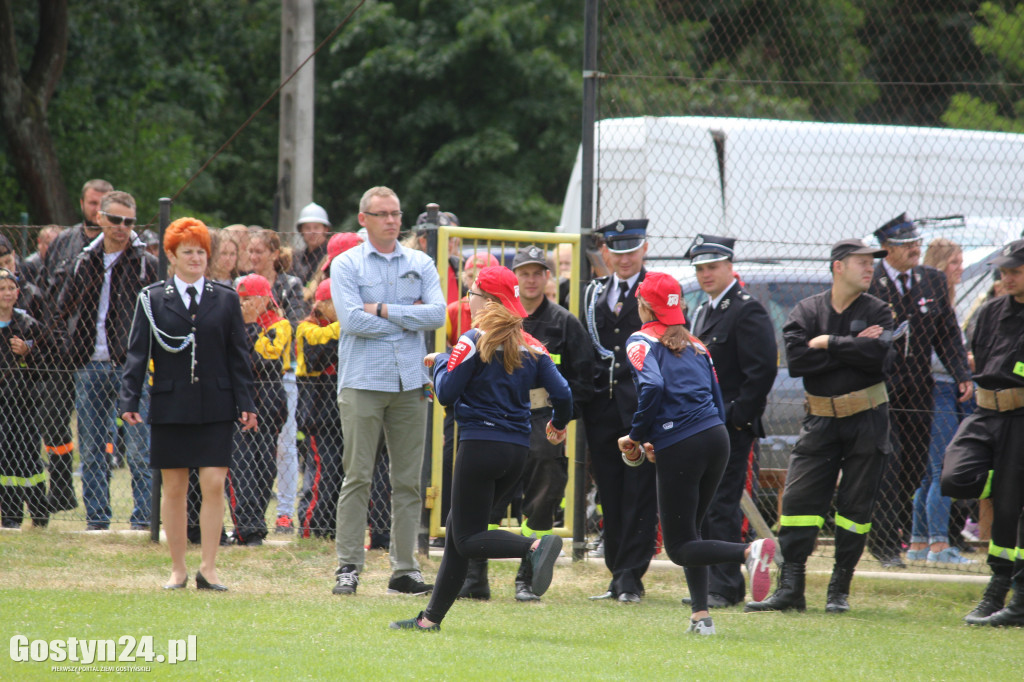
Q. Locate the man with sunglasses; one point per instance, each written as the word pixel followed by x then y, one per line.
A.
pixel 96 305
pixel 58 383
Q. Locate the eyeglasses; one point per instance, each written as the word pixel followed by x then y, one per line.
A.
pixel 473 293
pixel 386 214
pixel 118 219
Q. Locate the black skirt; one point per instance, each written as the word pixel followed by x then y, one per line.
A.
pixel 190 446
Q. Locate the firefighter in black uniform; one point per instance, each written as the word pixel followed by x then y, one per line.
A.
pixel 919 295
pixel 990 441
pixel 739 335
pixel 837 341
pixel 628 494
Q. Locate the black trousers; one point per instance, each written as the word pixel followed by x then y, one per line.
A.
pixel 688 476
pixel 251 480
pixel 629 501
pixel 545 477
pixel 724 520
pixel 321 483
pixel 993 442
pixel 856 446
pixel 484 470
pixel 911 419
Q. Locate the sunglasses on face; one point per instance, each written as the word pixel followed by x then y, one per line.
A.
pixel 117 219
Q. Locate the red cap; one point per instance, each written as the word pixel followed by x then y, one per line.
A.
pixel 254 285
pixel 481 259
pixel 339 244
pixel 663 295
pixel 323 291
pixel 502 283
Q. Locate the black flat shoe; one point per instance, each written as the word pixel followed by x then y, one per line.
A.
pixel 179 586
pixel 203 584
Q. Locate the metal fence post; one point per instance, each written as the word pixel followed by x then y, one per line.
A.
pixel 154 518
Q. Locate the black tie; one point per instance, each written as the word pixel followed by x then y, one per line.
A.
pixel 193 304
pixel 904 282
pixel 623 295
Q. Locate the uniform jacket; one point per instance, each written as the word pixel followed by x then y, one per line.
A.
pixel 613 331
pixel 80 299
pixel 849 363
pixel 998 344
pixel 17 372
pixel 221 387
pixel 740 337
pixel 932 325
pixel 490 403
pixel 568 346
pixel 678 396
pixel 270 341
pixel 316 352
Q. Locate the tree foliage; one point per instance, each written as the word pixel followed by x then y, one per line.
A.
pixel 1001 37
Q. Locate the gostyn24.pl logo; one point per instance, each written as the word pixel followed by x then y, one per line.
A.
pixel 125 649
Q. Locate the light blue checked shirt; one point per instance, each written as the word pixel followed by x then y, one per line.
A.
pixel 385 354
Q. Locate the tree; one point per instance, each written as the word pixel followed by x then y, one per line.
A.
pixel 24 100
pixel 1001 37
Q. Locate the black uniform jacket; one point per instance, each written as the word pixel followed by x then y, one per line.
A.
pixel 850 363
pixel 222 385
pixel 740 337
pixel 613 331
pixel 570 347
pixel 932 326
pixel 998 344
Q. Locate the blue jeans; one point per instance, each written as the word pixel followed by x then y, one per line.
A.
pixel 136 441
pixel 931 509
pixel 96 387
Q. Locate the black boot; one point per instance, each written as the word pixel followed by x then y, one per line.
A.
pixel 1013 613
pixel 991 602
pixel 476 586
pixel 38 505
pixel 62 490
pixel 524 582
pixel 839 590
pixel 788 596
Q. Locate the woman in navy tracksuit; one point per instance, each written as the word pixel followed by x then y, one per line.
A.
pixel 680 417
pixel 490 389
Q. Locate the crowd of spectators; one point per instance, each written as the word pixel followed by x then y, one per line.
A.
pixel 337 330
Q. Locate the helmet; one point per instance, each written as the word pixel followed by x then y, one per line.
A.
pixel 313 213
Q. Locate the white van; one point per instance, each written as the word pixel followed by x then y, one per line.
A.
pixel 789 189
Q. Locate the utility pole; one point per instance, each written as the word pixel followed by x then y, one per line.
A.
pixel 295 135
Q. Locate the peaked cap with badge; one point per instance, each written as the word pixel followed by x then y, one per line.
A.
pixel 625 236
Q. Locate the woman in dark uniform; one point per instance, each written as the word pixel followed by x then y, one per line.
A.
pixel 192 329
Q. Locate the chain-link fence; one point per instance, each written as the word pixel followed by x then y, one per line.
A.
pixel 789 126
pixel 69 459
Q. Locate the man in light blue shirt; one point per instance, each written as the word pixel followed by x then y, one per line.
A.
pixel 387 298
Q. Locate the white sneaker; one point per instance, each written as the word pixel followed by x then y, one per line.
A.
pixel 704 626
pixel 758 568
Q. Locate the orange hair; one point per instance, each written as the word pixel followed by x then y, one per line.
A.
pixel 186 230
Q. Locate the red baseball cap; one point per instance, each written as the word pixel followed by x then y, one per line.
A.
pixel 254 285
pixel 323 291
pixel 339 244
pixel 662 293
pixel 481 259
pixel 502 283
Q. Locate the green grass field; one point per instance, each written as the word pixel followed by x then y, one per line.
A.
pixel 280 621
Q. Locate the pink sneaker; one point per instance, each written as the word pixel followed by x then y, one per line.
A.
pixel 759 566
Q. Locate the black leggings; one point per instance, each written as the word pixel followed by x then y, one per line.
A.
pixel 688 475
pixel 484 470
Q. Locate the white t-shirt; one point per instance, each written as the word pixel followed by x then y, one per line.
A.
pixel 102 352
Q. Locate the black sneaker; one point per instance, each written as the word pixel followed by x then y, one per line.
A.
pixel 414 624
pixel 347 579
pixel 410 583
pixel 543 561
